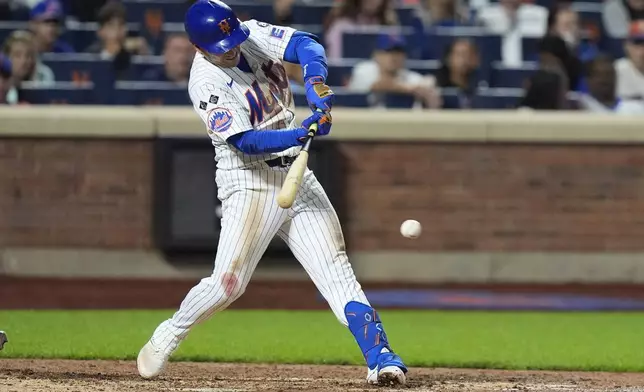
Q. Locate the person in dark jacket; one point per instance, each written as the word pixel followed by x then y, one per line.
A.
pixel 545 90
pixel 554 55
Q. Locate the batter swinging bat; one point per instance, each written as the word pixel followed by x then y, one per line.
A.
pixel 287 194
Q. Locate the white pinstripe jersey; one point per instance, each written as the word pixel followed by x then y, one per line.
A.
pixel 231 101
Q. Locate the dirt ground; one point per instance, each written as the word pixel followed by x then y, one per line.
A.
pixel 121 376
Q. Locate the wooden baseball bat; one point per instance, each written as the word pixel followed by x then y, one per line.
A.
pixel 293 180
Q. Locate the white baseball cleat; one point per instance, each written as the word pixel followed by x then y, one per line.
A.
pixel 390 370
pixel 390 375
pixel 152 360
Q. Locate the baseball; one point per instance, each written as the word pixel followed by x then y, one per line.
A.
pixel 411 228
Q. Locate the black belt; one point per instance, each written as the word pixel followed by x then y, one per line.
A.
pixel 280 162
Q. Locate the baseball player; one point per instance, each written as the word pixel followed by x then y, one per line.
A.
pixel 239 88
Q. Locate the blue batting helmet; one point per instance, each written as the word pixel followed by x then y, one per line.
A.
pixel 213 27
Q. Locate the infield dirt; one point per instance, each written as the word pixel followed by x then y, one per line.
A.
pixel 18 375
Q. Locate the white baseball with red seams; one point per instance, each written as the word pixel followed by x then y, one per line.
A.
pixel 411 229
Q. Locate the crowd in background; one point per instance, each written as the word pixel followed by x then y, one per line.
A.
pixel 573 71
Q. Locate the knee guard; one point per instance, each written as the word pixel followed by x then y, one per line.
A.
pixel 364 324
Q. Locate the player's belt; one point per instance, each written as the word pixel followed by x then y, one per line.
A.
pixel 280 162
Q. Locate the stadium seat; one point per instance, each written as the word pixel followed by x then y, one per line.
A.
pixel 60 93
pixel 530 48
pixel 151 93
pixel 501 98
pixel 399 101
pixel 502 76
pixel 615 47
pixel 362 44
pixel 591 17
pixel 79 67
pixel 453 99
pixel 406 15
pixel 339 75
pixel 140 64
pixel 310 14
pixel 342 98
pixel 82 68
pixel 439 38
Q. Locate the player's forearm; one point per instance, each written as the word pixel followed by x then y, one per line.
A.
pixel 266 142
pixel 303 49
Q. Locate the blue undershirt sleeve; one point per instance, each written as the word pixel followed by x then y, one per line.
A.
pixel 263 142
pixel 304 49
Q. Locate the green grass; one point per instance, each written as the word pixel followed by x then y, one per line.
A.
pixel 573 341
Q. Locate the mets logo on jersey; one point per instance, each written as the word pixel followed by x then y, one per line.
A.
pixel 224 26
pixel 220 120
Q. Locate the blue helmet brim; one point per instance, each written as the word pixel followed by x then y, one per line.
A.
pixel 236 38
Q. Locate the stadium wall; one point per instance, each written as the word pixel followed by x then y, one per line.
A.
pixel 503 197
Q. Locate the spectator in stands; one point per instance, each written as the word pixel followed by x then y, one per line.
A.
pixel 514 20
pixel 178 54
pixel 618 14
pixel 458 69
pixel 20 48
pixel 554 55
pixel 113 42
pixel 545 90
pixel 563 22
pixel 46 23
pixel 630 69
pixel 349 15
pixel 601 96
pixel 283 11
pixel 386 74
pixel 5 79
pixel 446 13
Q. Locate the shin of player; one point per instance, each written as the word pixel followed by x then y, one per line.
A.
pixel 385 367
pixel 240 90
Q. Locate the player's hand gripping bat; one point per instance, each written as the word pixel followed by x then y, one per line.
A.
pixel 293 180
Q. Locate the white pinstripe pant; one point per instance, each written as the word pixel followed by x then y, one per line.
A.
pixel 250 220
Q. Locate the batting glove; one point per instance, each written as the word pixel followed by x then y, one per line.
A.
pixel 323 120
pixel 318 94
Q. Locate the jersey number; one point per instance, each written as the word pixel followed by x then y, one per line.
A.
pixel 258 102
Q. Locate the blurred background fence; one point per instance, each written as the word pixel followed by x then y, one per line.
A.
pixel 518 198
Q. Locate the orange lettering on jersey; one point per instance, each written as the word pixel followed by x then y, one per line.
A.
pixel 256 107
pixel 259 104
pixel 279 85
pixel 276 73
